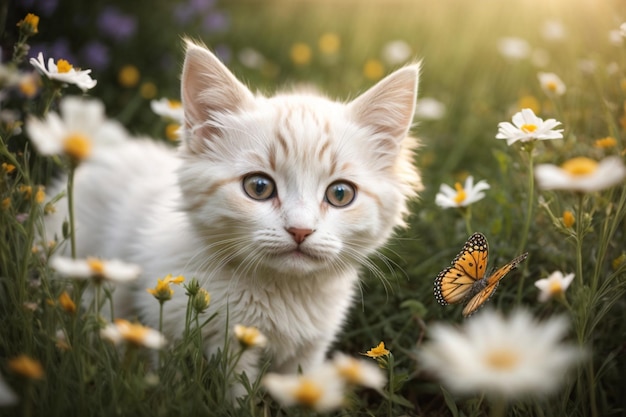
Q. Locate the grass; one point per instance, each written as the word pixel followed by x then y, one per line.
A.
pixel 461 68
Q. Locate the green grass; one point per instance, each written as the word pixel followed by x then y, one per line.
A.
pixel 463 69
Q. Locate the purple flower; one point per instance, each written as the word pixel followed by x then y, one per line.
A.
pixel 115 24
pixel 96 55
pixel 42 7
pixel 216 22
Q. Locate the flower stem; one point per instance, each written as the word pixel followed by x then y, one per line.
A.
pixel 467 216
pixel 70 203
pixel 531 199
pixel 498 407
pixel 579 240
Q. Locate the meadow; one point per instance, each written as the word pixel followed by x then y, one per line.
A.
pixel 552 348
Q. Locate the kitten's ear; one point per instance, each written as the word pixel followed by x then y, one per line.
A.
pixel 388 106
pixel 208 86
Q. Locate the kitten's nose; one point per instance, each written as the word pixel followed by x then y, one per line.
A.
pixel 299 234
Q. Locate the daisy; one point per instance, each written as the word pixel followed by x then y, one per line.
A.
pixel 77 132
pixel 359 372
pixel 554 285
pixel 249 336
pixel 64 72
pixel 135 334
pixel 396 52
pixel 321 390
pixel 429 108
pixel 513 48
pixel 96 269
pixel 581 174
pixel 461 196
pixel 527 127
pixel 170 109
pixel 505 357
pixel 551 83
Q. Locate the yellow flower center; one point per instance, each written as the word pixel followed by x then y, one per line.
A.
pixel 461 195
pixel 502 359
pixel 77 146
pixel 555 288
pixel 329 43
pixel 248 336
pixel 551 86
pixel 128 76
pixel 171 131
pixel 373 69
pixel 96 266
pixel 301 54
pixel 134 333
pixel 580 166
pixel 604 143
pixel 63 66
pixel 528 128
pixel 175 104
pixel 351 371
pixel 308 392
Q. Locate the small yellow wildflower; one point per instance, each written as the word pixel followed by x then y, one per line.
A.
pixel 66 303
pixel 148 90
pixel 40 195
pixel 29 25
pixel 329 43
pixel 128 76
pixel 201 300
pixel 373 69
pixel 301 54
pixel 249 336
pixel 378 351
pixel 163 291
pixel 617 262
pixel 29 86
pixel 27 367
pixel 8 168
pixel 6 203
pixel 568 219
pixel 605 143
pixel 27 190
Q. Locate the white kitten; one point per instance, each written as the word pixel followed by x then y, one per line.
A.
pixel 271 203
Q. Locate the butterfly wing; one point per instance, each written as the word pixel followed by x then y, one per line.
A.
pixel 455 283
pixel 492 283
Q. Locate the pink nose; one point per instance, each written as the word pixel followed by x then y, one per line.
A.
pixel 299 234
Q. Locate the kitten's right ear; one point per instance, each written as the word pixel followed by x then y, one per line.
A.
pixel 208 87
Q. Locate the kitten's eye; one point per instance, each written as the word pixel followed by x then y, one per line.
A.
pixel 340 193
pixel 259 186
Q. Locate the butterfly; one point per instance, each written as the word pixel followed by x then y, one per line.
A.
pixel 465 279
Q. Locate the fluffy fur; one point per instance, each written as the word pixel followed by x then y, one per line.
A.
pixel 286 264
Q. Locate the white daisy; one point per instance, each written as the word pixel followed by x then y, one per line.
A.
pixel 96 269
pixel 506 357
pixel 171 109
pixel 321 390
pixel 136 334
pixel 396 52
pixel 429 108
pixel 551 83
pixel 359 372
pixel 554 285
pixel 581 174
pixel 249 336
pixel 64 72
pixel 461 196
pixel 77 132
pixel 513 48
pixel 527 127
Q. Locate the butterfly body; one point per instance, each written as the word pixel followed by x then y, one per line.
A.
pixel 465 280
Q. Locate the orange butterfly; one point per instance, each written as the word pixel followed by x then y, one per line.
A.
pixel 465 279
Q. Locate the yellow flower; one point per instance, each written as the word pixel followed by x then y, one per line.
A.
pixel 40 195
pixel 77 146
pixel 378 351
pixel 8 168
pixel 27 367
pixel 163 291
pixel 29 25
pixel 66 303
pixel 29 86
pixel 27 190
pixel 617 262
pixel 568 219
pixel 373 69
pixel 529 102
pixel 605 143
pixel 329 43
pixel 148 90
pixel 172 131
pixel 250 336
pixel 6 203
pixel 128 76
pixel 201 300
pixel 301 54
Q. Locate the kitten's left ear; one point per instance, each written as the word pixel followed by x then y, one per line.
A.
pixel 388 106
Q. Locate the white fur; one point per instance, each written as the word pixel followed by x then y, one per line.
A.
pixel 186 213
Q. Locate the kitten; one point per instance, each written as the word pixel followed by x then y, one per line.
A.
pixel 271 203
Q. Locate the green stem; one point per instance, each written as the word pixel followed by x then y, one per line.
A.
pixel 531 199
pixel 579 240
pixel 467 216
pixel 70 203
pixel 498 407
